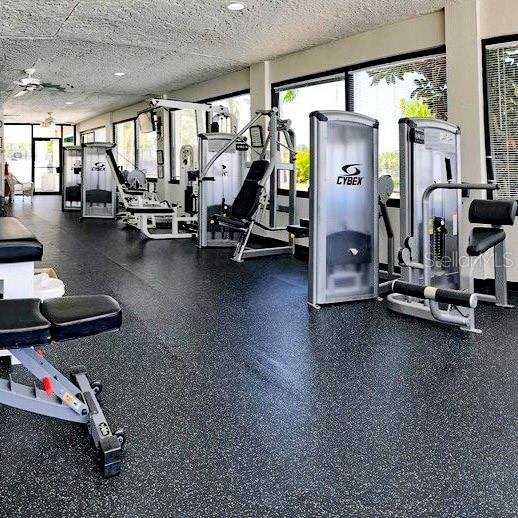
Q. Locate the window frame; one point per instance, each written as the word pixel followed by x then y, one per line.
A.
pixel 215 100
pixel 62 147
pixel 90 130
pixel 312 79
pixel 487 42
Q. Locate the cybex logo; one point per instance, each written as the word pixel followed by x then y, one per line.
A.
pixel 351 176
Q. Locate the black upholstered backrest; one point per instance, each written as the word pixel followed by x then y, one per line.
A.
pixel 247 199
pixel 493 212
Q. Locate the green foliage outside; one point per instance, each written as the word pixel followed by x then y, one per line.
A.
pixel 430 86
pixel 415 108
pixel 302 165
pixel 290 95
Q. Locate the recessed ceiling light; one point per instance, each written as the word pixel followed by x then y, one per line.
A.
pixel 69 102
pixel 119 74
pixel 235 6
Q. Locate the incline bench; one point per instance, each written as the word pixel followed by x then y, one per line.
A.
pixel 27 323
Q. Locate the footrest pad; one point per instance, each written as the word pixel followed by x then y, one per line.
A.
pixel 83 315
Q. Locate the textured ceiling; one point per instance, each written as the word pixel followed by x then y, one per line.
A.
pixel 161 45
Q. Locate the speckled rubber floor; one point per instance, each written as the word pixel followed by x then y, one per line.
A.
pixel 241 401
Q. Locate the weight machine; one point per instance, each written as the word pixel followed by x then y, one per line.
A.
pixel 259 190
pixel 435 284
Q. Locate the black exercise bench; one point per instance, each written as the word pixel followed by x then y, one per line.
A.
pixel 27 325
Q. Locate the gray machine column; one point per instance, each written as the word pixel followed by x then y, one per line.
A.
pixel 343 208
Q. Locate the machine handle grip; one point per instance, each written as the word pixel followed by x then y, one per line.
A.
pixel 455 297
pixel 489 168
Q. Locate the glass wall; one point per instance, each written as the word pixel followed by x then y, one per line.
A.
pixel 185 133
pixel 502 115
pixel 19 147
pixel 94 135
pixel 239 108
pixel 296 103
pixel 146 152
pixel 124 133
pixel 415 88
pixel 18 150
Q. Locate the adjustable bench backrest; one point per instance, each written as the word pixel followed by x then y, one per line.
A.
pixel 247 200
pixel 115 168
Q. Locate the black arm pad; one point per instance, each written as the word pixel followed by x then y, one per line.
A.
pixel 493 212
pixel 455 297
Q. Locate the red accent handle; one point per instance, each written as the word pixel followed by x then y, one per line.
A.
pixel 47 385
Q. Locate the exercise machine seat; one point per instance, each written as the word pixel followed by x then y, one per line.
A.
pixel 493 212
pixel 17 243
pixel 150 210
pixel 247 199
pixel 81 315
pixel 73 193
pixel 98 196
pixel 484 238
pixel 239 225
pixel 22 324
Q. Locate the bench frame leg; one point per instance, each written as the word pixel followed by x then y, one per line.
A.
pixel 74 401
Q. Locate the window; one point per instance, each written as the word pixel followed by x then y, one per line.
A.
pixel 18 150
pixel 53 131
pixel 239 108
pixel 185 134
pixel 68 136
pixel 94 135
pixel 501 88
pixel 124 133
pixel 146 152
pixel 296 103
pixel 412 88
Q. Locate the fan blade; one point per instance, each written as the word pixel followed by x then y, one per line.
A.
pixel 20 93
pixel 53 87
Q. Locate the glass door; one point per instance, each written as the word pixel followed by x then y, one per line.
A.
pixel 47 165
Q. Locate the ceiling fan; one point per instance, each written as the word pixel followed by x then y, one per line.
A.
pixel 48 122
pixel 33 84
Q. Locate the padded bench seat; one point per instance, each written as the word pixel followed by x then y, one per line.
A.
pixel 30 322
pixel 233 223
pixel 17 243
pixel 150 210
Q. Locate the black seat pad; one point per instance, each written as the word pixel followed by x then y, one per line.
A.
pixel 231 222
pixel 17 243
pixel 483 238
pixel 22 324
pixel 493 212
pixel 247 199
pixel 82 315
pixel 150 210
pixel 98 196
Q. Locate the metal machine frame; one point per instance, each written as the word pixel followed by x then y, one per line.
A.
pixel 344 183
pixel 270 150
pixel 70 173
pixel 74 401
pixel 86 170
pixel 227 180
pixel 423 289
